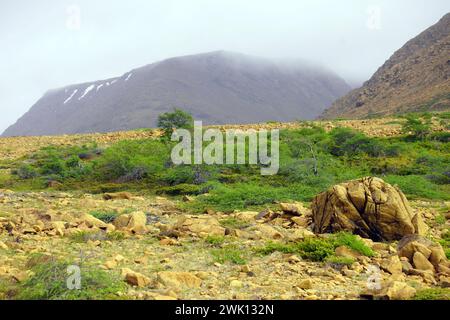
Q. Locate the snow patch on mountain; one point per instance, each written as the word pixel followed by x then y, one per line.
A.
pixel 71 96
pixel 88 89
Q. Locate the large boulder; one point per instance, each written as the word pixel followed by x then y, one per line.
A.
pixel 369 207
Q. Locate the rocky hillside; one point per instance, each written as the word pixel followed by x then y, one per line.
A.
pixel 415 78
pixel 218 88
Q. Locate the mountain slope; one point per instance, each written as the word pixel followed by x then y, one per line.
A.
pixel 415 78
pixel 217 87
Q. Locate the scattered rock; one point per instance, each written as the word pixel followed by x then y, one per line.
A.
pixel 423 254
pixel 118 196
pixel 179 279
pixel 136 279
pixel 296 209
pixel 201 226
pixel 395 290
pixel 305 284
pixel 3 246
pixel 110 264
pixel 134 222
pixel 422 263
pixel 393 265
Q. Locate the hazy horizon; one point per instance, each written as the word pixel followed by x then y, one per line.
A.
pixel 52 44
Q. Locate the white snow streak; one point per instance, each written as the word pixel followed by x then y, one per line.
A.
pixel 129 76
pixel 88 89
pixel 71 96
pixel 99 87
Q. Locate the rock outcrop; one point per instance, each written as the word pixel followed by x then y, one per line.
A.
pixel 425 255
pixel 369 207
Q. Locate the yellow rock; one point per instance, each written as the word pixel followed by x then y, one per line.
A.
pixel 137 279
pixel 3 246
pixel 110 264
pixel 305 284
pixel 179 279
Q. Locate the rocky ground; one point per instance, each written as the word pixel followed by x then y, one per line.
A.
pixel 166 254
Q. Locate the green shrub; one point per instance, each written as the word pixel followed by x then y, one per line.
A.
pixel 85 236
pixel 229 253
pixel 348 142
pixel 105 216
pixel 49 282
pixel 132 160
pixel 315 249
pixel 26 171
pixel 416 128
pixel 215 240
pixel 353 242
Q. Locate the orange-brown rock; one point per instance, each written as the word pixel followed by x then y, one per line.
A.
pixel 369 207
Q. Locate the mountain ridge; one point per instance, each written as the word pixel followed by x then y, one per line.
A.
pixel 217 87
pixel 415 78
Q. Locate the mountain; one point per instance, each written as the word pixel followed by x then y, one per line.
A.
pixel 415 78
pixel 217 87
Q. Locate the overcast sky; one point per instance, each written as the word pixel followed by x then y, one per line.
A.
pixel 52 43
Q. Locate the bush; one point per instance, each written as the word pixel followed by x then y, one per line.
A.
pixel 347 142
pixel 416 128
pixel 316 249
pixel 215 240
pixel 353 242
pixel 49 283
pixel 132 160
pixel 27 171
pixel 105 216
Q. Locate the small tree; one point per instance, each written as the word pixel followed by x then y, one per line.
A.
pixel 178 119
pixel 416 128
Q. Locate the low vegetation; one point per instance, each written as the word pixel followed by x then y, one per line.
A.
pixel 318 249
pixel 49 282
pixel 311 160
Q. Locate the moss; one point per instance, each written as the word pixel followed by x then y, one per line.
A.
pixel 215 240
pixel 85 236
pixel 230 253
pixel 233 223
pixel 433 294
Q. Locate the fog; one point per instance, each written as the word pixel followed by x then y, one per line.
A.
pixel 52 43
